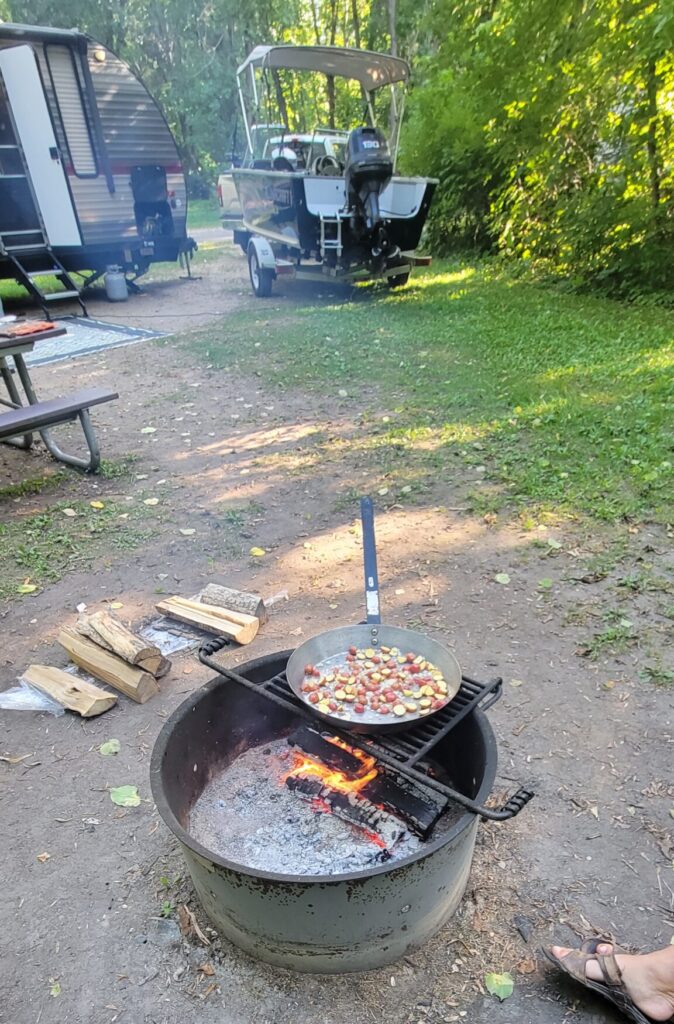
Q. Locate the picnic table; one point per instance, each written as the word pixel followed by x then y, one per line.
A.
pixel 29 415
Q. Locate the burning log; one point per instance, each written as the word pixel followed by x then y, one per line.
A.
pixel 417 805
pixel 383 828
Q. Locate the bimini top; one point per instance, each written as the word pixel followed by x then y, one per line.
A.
pixel 372 70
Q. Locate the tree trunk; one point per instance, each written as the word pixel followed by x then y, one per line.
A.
pixel 394 51
pixel 280 98
pixel 355 18
pixel 651 137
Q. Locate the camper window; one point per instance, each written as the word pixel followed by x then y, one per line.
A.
pixel 70 102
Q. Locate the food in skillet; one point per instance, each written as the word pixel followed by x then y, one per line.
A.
pixel 375 682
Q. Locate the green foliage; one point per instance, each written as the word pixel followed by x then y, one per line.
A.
pixel 550 129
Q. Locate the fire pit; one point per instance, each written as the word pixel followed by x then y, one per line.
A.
pixel 326 879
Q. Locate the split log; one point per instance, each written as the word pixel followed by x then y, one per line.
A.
pixel 157 665
pixel 239 627
pixel 128 679
pixel 351 807
pixel 236 600
pixel 419 806
pixel 69 691
pixel 108 632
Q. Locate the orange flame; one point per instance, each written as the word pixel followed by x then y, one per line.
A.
pixel 332 778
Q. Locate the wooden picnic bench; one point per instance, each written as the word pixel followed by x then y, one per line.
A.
pixel 17 425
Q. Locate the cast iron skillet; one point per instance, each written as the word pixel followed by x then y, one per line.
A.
pixel 370 635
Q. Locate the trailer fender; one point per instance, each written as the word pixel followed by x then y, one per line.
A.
pixel 264 252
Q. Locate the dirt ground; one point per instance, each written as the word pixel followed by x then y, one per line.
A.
pixel 83 936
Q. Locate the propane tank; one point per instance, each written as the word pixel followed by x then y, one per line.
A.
pixel 115 284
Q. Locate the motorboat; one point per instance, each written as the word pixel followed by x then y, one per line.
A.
pixel 326 202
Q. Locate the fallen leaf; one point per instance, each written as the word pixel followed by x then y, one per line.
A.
pixel 151 501
pixel 110 747
pixel 97 504
pixel 125 796
pixel 26 588
pixel 70 512
pixel 406 489
pixel 81 607
pixel 54 987
pixel 382 491
pixel 257 552
pixel 207 969
pixel 42 857
pixel 554 544
pixel 594 811
pixel 545 583
pixel 14 760
pixel 296 632
pixel 516 682
pixel 501 985
pixel 116 604
pixel 502 577
pixel 609 684
pixel 333 606
pixel 148 430
pixel 187 532
pixel 342 393
pixel 671 809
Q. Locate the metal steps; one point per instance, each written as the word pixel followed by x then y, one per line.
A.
pixel 32 262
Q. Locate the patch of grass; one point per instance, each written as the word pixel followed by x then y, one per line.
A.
pixel 616 636
pixel 33 485
pixel 115 469
pixel 657 675
pixel 565 399
pixel 203 213
pixel 43 547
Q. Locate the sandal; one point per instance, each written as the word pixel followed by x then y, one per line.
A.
pixel 612 988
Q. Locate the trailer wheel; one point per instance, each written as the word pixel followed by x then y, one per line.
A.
pixel 260 277
pixel 399 281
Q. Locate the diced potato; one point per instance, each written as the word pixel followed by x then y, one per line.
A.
pixel 340 694
pixel 427 691
pixel 399 710
pixel 425 702
pixel 412 708
pixel 369 653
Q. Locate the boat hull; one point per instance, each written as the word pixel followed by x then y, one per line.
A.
pixel 287 208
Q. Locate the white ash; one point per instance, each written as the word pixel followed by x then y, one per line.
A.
pixel 247 814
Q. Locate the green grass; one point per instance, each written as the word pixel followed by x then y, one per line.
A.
pixel 41 548
pixel 565 399
pixel 33 485
pixel 203 213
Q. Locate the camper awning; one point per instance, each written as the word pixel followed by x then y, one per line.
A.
pixel 372 70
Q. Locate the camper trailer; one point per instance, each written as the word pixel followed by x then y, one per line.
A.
pixel 90 174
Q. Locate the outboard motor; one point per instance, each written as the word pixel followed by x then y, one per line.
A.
pixel 367 172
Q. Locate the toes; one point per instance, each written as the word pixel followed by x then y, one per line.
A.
pixel 560 951
pixel 604 948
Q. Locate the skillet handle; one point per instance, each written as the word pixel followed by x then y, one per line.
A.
pixel 370 563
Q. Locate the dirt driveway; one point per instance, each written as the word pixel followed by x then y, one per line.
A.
pixel 89 933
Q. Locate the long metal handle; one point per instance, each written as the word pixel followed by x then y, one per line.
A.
pixel 370 563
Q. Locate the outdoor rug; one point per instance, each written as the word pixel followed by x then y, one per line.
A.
pixel 84 336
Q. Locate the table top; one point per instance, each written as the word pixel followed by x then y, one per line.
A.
pixel 26 342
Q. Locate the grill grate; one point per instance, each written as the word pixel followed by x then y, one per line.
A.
pixel 412 746
pixel 405 750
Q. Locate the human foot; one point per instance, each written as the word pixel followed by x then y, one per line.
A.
pixel 648 979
